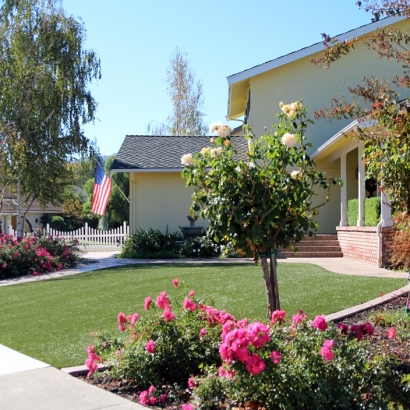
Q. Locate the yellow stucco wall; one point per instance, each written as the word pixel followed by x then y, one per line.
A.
pixel 316 87
pixel 160 199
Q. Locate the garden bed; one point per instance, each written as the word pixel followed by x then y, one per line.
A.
pixel 380 316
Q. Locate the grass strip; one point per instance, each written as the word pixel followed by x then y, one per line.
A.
pixel 52 320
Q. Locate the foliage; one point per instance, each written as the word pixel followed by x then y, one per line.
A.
pixel 143 244
pixel 378 102
pixel 352 211
pixel 200 247
pixel 281 364
pixel 372 211
pixel 44 75
pixel 36 254
pixel 250 198
pixel 186 94
pixel 400 258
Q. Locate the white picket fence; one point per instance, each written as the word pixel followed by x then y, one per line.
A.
pixel 92 239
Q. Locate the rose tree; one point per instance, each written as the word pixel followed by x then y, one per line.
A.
pixel 261 199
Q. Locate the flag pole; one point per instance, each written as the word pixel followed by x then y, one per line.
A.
pixel 113 182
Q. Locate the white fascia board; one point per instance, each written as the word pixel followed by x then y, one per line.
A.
pixel 280 61
pixel 147 170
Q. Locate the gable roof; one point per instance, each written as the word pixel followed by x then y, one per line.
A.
pixel 239 83
pixel 148 153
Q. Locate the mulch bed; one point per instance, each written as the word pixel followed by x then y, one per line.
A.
pixel 380 341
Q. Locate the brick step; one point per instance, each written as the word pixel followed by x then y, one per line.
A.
pixel 315 248
pixel 311 254
pixel 320 237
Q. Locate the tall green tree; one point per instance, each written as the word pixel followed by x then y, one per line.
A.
pixel 44 76
pixel 186 94
pixel 379 100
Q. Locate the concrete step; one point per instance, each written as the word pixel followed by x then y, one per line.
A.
pixel 317 248
pixel 311 254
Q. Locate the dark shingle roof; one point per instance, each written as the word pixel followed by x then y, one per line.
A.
pixel 145 152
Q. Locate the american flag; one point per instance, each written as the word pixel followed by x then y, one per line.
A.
pixel 101 192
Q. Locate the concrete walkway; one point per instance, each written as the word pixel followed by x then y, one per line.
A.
pixel 28 384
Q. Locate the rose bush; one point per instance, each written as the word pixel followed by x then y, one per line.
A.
pixel 253 199
pixel 35 254
pixel 218 359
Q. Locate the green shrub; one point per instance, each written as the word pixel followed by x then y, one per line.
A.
pixel 148 244
pixel 200 247
pixel 372 211
pixel 352 211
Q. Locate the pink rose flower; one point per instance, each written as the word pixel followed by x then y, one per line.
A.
pixel 191 383
pixel 134 318
pixel 150 346
pixel 187 407
pixel 255 365
pixel 202 332
pixel 320 323
pixel 258 334
pixel 152 400
pixel 189 305
pixel 162 300
pixel 368 329
pixel 151 389
pixel 163 397
pixel 391 333
pixel 144 397
pixel 168 315
pixel 275 356
pixel 147 302
pixel 278 316
pixel 326 350
pixel 191 294
pixel 175 282
pixel 121 318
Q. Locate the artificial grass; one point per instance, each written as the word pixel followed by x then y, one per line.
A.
pixel 52 320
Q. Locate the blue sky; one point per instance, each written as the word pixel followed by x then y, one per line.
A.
pixel 135 39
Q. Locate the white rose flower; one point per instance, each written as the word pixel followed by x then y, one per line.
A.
pixel 222 130
pixel 289 140
pixel 187 159
pixel 291 109
pixel 296 174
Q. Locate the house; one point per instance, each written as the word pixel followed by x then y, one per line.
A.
pixel 8 214
pixel 254 94
pixel 158 197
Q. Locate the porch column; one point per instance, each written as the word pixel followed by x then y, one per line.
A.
pixel 361 183
pixel 343 192
pixel 386 210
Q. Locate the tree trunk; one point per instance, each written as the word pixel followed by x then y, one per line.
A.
pixel 269 288
pixel 274 281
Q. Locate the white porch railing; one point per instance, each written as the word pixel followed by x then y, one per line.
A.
pixel 91 239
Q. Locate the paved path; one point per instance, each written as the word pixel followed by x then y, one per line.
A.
pixel 28 384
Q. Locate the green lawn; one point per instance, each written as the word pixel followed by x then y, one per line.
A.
pixel 52 320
